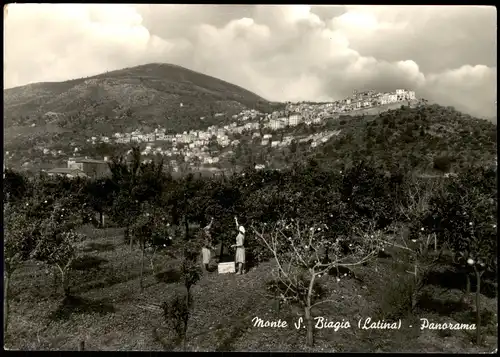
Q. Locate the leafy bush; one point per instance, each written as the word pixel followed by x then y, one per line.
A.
pixel 255 252
pixel 176 314
pixel 442 163
pixel 396 301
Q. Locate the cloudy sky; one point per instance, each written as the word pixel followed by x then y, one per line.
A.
pixel 447 54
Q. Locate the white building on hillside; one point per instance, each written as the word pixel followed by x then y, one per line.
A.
pixel 276 124
pixel 294 120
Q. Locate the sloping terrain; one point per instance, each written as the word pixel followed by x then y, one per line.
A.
pixel 108 312
pixel 422 139
pixel 151 94
pixel 413 138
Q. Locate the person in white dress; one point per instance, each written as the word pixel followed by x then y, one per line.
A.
pixel 207 245
pixel 240 249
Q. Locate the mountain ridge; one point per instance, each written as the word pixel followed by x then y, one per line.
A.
pixel 55 117
pixel 153 92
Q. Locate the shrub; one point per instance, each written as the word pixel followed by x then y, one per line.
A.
pixel 397 298
pixel 176 315
pixel 256 252
pixel 442 163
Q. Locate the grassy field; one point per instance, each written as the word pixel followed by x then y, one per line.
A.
pixel 108 312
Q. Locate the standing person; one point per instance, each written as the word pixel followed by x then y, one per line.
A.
pixel 207 244
pixel 240 249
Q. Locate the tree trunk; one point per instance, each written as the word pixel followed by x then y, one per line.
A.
pixel 101 219
pixel 187 318
pixel 142 266
pixel 131 237
pixel 467 288
pixel 153 262
pixel 478 310
pixel 276 292
pixel 186 227
pixel 6 303
pixel 56 285
pixel 309 322
pixel 415 288
pixel 308 316
pixel 221 253
pixel 64 282
pixel 128 236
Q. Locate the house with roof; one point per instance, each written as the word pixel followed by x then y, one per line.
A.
pixel 66 172
pixel 91 167
pixel 294 119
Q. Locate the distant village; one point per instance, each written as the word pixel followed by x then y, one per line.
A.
pixel 192 148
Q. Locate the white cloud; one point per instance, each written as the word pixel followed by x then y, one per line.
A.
pixel 456 87
pixel 294 52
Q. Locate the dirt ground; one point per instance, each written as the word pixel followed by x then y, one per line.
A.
pixel 108 312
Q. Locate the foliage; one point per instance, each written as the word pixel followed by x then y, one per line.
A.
pixel 370 194
pixel 306 218
pixel 201 96
pixel 464 216
pixel 299 252
pixel 421 139
pixel 19 238
pixel 15 186
pixel 191 272
pixel 57 241
pixel 396 301
pixel 176 313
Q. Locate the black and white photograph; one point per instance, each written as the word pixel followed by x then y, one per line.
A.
pixel 250 178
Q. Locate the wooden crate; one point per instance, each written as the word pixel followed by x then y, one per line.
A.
pixel 225 268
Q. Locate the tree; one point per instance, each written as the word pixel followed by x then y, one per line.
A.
pixel 142 230
pixel 297 251
pixel 15 186
pixel 463 215
pixel 19 241
pixel 58 242
pixel 413 204
pixel 125 176
pixel 99 193
pixel 152 231
pixel 178 310
pixel 369 193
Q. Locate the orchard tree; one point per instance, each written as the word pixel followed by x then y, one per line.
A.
pixel 124 211
pixel 178 311
pixel 222 200
pixel 19 241
pixel 413 205
pixel 188 201
pixel 57 243
pixel 99 196
pixel 15 186
pixel 464 215
pixel 152 230
pixel 368 193
pixel 417 250
pixel 124 176
pixel 136 184
pixel 297 251
pixel 142 230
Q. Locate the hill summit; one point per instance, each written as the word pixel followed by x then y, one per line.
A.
pixel 148 95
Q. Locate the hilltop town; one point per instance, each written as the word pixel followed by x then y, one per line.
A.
pixel 209 147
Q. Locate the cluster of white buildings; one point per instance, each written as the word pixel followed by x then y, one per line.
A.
pixel 193 146
pixel 358 101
